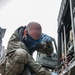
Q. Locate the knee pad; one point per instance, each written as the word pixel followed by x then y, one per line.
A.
pixel 21 55
pixel 21 52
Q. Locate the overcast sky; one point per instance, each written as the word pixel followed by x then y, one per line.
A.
pixel 14 13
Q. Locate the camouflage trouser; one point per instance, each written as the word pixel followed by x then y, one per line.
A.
pixel 16 62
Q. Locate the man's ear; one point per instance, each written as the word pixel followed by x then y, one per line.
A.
pixel 25 34
pixel 25 31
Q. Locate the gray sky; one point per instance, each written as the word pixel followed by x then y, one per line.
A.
pixel 14 13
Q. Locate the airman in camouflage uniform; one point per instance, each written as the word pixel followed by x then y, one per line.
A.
pixel 21 46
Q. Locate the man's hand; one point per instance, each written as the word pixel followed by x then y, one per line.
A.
pixel 41 45
pixel 45 47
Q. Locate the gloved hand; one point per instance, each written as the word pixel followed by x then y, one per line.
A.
pixel 41 45
pixel 45 47
pixel 53 73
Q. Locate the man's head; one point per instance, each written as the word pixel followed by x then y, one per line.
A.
pixel 34 30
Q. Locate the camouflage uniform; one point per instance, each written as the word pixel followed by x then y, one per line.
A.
pixel 18 58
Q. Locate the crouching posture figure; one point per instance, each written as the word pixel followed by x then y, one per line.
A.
pixel 21 46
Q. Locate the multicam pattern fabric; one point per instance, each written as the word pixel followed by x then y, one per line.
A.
pixel 18 57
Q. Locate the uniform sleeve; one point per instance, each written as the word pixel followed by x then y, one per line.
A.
pixel 14 44
pixel 45 46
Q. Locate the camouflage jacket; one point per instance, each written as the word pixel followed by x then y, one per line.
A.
pixel 16 42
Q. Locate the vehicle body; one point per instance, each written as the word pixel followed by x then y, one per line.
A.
pixel 66 38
